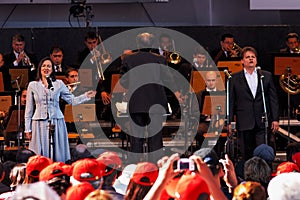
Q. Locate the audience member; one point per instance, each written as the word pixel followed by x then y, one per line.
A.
pixel 249 190
pixel 79 191
pixel 221 169
pixel 35 165
pixel 3 188
pixel 266 153
pixel 142 180
pixel 296 159
pixel 38 190
pixel 56 177
pixel 291 149
pixel 122 181
pixel 113 167
pixel 256 169
pixel 80 152
pixel 88 170
pixel 284 187
pixel 286 167
pixel 17 175
pixel 100 195
pixel 23 155
pixel 7 167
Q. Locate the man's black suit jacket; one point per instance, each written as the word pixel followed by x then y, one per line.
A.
pixel 148 95
pixel 249 110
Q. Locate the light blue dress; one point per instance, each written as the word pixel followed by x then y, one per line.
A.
pixel 41 103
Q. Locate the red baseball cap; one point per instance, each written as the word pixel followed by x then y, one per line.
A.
pixel 88 170
pixel 145 174
pixel 36 164
pixel 110 159
pixel 80 191
pixel 296 159
pixel 286 167
pixel 190 186
pixel 54 170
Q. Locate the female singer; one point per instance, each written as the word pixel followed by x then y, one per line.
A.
pixel 42 109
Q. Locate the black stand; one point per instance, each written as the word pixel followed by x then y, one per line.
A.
pixel 20 135
pixel 51 126
pixel 288 70
pixel 265 114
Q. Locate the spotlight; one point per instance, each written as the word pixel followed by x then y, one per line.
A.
pixel 77 8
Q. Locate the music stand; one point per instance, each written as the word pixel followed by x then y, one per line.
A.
pixel 233 66
pixel 282 61
pixel 12 125
pixel 80 113
pixel 5 102
pixel 287 63
pixel 212 103
pixel 197 81
pixel 86 77
pixel 23 72
pixel 1 83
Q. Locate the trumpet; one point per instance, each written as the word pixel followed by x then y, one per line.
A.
pixel 26 61
pixel 75 83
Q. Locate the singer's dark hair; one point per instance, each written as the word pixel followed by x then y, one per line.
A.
pixel 245 49
pixel 39 74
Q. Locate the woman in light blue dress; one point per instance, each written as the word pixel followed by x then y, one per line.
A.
pixel 42 108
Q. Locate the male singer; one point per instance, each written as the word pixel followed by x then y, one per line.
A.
pixel 246 103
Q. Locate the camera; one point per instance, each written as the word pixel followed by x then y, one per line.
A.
pixel 186 163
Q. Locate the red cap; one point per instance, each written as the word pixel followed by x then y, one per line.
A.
pixel 36 164
pixel 110 159
pixel 296 159
pixel 145 174
pixel 54 170
pixel 190 186
pixel 287 167
pixel 80 191
pixel 87 170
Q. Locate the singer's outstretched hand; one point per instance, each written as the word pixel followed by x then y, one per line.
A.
pixel 90 94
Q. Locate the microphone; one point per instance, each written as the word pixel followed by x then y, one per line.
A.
pixel 50 85
pixel 288 70
pixel 227 73
pixel 258 68
pixel 17 79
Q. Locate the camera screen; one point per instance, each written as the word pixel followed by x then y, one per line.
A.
pixel 184 165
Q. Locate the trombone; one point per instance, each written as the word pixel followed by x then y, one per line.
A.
pixel 173 57
pixel 96 55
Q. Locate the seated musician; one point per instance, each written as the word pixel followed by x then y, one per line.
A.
pixel 212 122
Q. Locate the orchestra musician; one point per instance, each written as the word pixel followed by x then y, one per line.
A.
pixel 228 49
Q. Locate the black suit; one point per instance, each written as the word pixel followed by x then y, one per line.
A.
pixel 249 110
pixel 9 59
pixel 143 97
pixel 220 55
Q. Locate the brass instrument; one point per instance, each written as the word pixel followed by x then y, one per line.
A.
pixel 173 57
pixel 26 61
pixel 290 85
pixel 296 50
pixel 105 56
pixel 97 58
pixel 235 51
